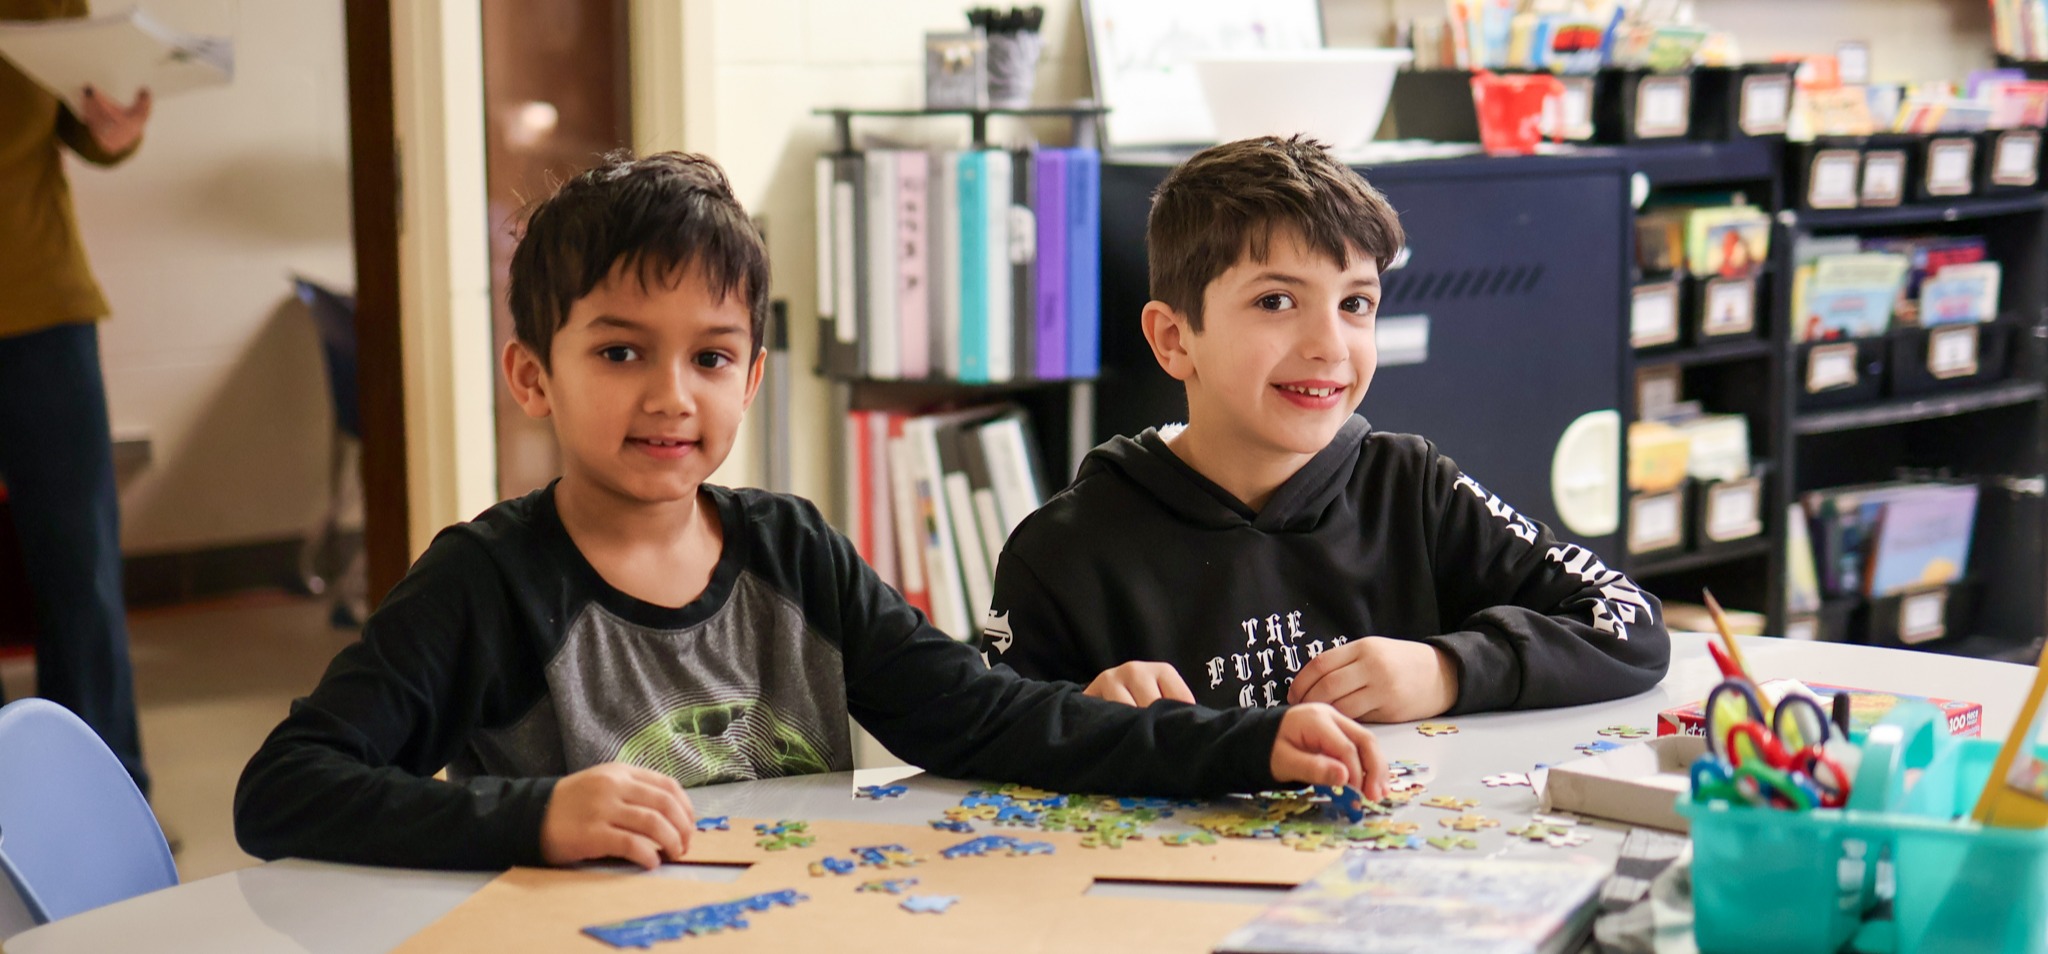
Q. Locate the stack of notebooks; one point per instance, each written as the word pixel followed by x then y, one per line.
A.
pixel 933 498
pixel 1882 539
pixel 1845 287
pixel 976 266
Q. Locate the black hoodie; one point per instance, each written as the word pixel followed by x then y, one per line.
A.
pixel 1143 558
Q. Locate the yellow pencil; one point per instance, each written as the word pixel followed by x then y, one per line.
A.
pixel 1727 635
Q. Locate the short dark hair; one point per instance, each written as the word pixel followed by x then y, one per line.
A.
pixel 655 216
pixel 1226 202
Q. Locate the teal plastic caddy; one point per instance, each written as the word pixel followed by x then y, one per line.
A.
pixel 1772 880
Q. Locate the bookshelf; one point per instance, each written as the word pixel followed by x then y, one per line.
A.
pixel 1992 431
pixel 1061 406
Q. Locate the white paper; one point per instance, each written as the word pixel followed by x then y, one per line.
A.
pixel 1948 167
pixel 1766 101
pixel 1731 512
pixel 119 54
pixel 1830 367
pixel 1884 178
pixel 1952 352
pixel 1653 318
pixel 1834 180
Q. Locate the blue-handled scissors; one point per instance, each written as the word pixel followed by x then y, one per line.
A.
pixel 1799 722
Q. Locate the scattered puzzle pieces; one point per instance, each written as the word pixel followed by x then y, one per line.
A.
pixel 1505 779
pixel 956 825
pixel 1433 729
pixel 1570 839
pixel 838 866
pixel 929 903
pixel 888 885
pixel 690 922
pixel 1537 831
pixel 783 835
pixel 1182 838
pixel 714 823
pixel 978 847
pixel 1016 815
pixel 886 856
pixel 1625 731
pixel 1469 823
pixel 1451 803
pixel 1407 767
pixel 1448 842
pixel 1596 747
pixel 1344 800
pixel 879 792
pixel 1393 841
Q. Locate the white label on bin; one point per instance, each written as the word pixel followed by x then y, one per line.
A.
pixel 1402 339
pixel 1949 164
pixel 1884 177
pixel 1731 511
pixel 1731 306
pixel 1920 616
pixel 1655 522
pixel 2019 154
pixel 1952 351
pixel 1832 184
pixel 1577 109
pixel 1766 102
pixel 1829 367
pixel 1661 104
pixel 1653 317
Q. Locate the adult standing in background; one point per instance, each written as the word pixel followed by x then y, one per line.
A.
pixel 56 447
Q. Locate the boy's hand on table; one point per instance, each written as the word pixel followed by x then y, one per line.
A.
pixel 1320 746
pixel 617 810
pixel 1377 679
pixel 1140 684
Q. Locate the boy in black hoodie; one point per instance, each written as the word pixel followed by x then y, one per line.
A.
pixel 1276 549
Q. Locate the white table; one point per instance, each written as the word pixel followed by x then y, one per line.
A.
pixel 320 908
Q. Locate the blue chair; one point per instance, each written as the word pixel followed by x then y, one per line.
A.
pixel 75 833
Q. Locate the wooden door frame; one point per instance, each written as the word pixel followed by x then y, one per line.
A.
pixel 375 198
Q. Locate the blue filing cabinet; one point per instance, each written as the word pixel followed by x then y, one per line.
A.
pixel 1515 272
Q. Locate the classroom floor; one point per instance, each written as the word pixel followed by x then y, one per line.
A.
pixel 212 680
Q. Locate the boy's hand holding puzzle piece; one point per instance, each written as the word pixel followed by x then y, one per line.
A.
pixel 1374 679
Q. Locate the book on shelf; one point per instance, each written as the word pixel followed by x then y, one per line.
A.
pixel 977 266
pixel 933 498
pixel 1926 256
pixel 1961 294
pixel 1880 539
pixel 1847 296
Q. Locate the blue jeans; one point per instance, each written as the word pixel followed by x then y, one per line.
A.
pixel 57 459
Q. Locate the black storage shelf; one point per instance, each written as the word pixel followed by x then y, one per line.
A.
pixel 1983 646
pixel 1685 163
pixel 1925 213
pixel 1719 352
pixel 1919 408
pixel 1749 549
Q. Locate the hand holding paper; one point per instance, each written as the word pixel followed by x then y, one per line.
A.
pixel 119 55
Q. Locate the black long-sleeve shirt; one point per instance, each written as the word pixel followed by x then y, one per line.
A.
pixel 1143 558
pixel 504 657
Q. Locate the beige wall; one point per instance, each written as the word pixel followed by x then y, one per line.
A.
pixel 193 240
pixel 1909 39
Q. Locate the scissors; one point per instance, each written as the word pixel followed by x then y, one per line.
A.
pixel 1751 784
pixel 1800 723
pixel 1732 703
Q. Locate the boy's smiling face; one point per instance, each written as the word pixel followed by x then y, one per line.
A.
pixel 646 384
pixel 1285 353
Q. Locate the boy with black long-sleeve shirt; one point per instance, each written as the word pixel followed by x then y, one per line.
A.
pixel 577 657
pixel 1277 549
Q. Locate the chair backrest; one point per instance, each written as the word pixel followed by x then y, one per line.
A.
pixel 75 833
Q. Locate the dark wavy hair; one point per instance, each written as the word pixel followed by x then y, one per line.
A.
pixel 1227 202
pixel 656 217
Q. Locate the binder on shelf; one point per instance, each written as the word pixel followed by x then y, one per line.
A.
pixel 839 339
pixel 1084 251
pixel 981 489
pixel 913 264
pixel 942 562
pixel 998 337
pixel 1023 250
pixel 859 515
pixel 881 500
pixel 946 292
pixel 884 356
pixel 974 272
pixel 1049 202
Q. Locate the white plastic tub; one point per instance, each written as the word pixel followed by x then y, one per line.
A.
pixel 1337 96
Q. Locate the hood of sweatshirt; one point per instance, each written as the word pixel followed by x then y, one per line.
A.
pixel 1297 505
